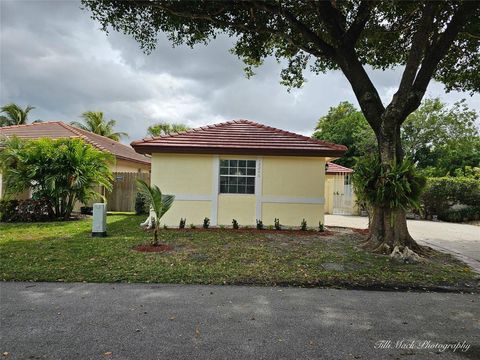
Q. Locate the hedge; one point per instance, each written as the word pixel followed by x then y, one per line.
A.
pixel 25 211
pixel 441 194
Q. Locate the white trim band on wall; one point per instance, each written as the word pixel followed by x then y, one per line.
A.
pixel 192 197
pixel 292 200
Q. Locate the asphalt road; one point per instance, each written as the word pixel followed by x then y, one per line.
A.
pixel 141 321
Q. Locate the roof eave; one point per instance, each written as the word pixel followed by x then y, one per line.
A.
pixel 149 149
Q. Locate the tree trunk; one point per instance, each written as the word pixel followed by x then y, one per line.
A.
pixel 388 227
pixel 155 235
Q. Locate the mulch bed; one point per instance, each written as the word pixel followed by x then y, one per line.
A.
pixel 160 248
pixel 253 230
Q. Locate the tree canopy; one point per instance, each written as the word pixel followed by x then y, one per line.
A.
pixel 440 139
pixel 346 125
pixel 94 121
pixel 164 128
pixel 431 39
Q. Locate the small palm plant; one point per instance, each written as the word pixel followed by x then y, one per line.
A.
pixel 159 205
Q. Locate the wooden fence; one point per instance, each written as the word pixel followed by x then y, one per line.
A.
pixel 122 196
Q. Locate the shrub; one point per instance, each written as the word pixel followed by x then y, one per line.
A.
pixel 303 226
pixel 29 210
pixel 7 209
pixel 460 215
pixel 61 171
pixel 206 223
pixel 86 210
pixel 182 223
pixel 277 224
pixel 321 227
pixel 235 224
pixel 397 185
pixel 142 205
pixel 444 192
pixel 260 225
pixel 192 226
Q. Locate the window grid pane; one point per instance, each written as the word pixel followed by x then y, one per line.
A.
pixel 237 176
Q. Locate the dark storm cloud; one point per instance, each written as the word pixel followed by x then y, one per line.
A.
pixel 54 57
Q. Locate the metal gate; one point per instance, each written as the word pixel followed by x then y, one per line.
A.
pixel 343 195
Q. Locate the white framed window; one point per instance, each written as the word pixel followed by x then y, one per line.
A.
pixel 237 176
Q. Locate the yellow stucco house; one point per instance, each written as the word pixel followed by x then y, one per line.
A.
pixel 241 170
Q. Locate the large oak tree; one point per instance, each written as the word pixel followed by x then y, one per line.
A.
pixel 424 39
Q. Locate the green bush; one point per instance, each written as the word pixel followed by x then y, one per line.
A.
pixel 397 185
pixel 444 192
pixel 235 224
pixel 303 226
pixel 29 210
pixel 461 215
pixel 142 206
pixel 206 223
pixel 60 172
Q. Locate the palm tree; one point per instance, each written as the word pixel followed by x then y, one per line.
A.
pixel 164 128
pixel 94 122
pixel 159 204
pixel 14 114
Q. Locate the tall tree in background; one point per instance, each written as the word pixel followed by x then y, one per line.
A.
pixel 95 122
pixel 13 114
pixel 346 125
pixel 429 39
pixel 164 128
pixel 442 140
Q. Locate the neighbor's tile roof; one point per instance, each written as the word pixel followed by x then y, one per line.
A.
pixel 337 169
pixel 58 129
pixel 239 137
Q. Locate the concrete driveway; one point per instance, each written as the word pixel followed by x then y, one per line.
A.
pixel 141 321
pixel 461 240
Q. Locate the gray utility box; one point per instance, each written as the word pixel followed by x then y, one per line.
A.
pixel 99 224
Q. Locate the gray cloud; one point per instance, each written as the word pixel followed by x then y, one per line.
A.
pixel 54 57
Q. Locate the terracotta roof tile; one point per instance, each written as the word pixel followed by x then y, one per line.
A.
pixel 239 137
pixel 58 129
pixel 337 169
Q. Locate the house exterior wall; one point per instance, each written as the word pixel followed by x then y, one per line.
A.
pixel 129 166
pixel 286 187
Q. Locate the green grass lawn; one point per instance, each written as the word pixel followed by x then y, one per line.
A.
pixel 64 251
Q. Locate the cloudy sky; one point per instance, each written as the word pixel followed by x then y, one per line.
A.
pixel 54 57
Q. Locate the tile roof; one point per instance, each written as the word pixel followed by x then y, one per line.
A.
pixel 58 129
pixel 239 137
pixel 337 169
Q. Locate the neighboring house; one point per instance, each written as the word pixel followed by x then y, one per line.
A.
pixel 339 195
pixel 127 160
pixel 241 170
